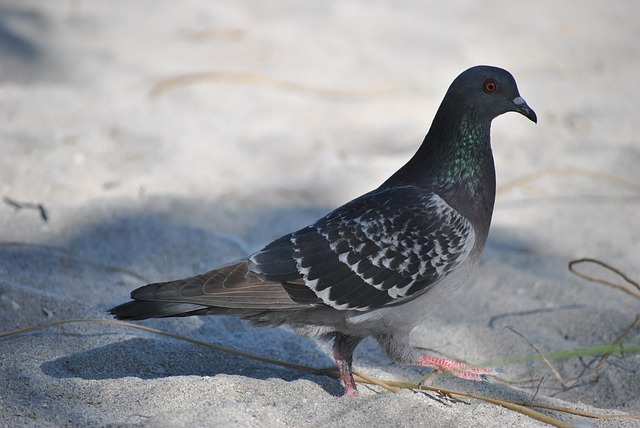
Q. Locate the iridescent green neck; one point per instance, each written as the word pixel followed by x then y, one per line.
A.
pixel 462 159
pixel 455 154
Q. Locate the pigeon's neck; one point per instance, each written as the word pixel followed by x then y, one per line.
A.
pixel 456 152
pixel 456 161
pixel 460 156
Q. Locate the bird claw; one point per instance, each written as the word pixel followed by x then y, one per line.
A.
pixel 456 368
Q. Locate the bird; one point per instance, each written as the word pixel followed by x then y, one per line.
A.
pixel 379 264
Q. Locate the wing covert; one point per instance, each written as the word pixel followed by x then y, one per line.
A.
pixel 376 250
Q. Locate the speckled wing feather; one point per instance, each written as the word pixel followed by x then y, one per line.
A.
pixel 379 249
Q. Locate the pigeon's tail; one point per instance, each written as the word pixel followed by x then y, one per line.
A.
pixel 143 309
pixel 229 290
pixel 137 310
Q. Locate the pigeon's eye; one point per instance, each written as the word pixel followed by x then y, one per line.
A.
pixel 489 86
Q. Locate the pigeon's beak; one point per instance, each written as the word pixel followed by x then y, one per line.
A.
pixel 524 109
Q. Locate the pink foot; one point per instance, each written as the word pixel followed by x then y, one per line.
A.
pixel 457 369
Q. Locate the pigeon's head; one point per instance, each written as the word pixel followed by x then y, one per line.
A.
pixel 489 92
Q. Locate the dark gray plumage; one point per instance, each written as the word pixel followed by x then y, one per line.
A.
pixel 379 264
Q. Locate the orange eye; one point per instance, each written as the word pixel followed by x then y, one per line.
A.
pixel 489 86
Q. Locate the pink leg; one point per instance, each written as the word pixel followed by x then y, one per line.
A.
pixel 343 347
pixel 457 369
pixel 347 377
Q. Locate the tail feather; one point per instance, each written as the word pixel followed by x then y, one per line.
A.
pixel 232 289
pixel 143 309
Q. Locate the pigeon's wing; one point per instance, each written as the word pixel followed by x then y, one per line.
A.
pixel 380 249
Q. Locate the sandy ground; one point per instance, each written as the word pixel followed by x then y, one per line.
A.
pixel 166 138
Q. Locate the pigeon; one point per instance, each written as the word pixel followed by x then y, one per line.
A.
pixel 377 265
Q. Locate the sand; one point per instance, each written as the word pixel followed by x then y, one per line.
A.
pixel 153 140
